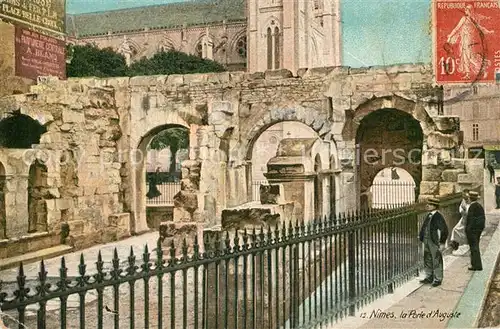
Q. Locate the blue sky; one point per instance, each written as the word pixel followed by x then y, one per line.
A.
pixel 374 32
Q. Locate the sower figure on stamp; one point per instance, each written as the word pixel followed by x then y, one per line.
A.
pixel 473 229
pixel 458 237
pixel 433 234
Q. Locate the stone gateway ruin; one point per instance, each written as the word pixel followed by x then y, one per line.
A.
pixel 78 176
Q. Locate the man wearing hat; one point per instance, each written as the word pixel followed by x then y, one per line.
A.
pixel 497 193
pixel 473 229
pixel 433 234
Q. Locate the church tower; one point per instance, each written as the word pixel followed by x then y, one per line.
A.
pixel 293 34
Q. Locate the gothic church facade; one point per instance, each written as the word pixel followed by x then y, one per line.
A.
pixel 252 35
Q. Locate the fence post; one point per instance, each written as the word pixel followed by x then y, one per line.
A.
pixel 390 260
pixel 296 301
pixel 351 252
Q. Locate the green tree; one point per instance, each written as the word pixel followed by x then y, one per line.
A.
pixel 89 60
pixel 174 62
pixel 173 138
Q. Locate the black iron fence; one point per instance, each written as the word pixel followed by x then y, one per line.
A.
pixel 256 189
pixel 167 190
pixel 387 194
pixel 299 275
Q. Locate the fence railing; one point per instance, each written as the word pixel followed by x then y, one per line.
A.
pixel 167 190
pixel 292 276
pixel 387 194
pixel 256 189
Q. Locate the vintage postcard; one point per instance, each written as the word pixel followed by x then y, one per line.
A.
pixel 234 164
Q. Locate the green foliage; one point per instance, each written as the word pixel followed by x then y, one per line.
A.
pixel 174 62
pixel 88 60
pixel 174 138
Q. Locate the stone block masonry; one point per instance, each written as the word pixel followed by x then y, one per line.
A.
pixel 98 131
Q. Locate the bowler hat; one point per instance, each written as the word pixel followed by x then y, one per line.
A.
pixel 473 195
pixel 433 201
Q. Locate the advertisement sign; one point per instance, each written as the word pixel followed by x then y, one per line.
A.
pixel 39 55
pixel 49 15
pixel 466 41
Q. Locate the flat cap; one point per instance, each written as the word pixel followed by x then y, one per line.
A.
pixel 474 195
pixel 433 201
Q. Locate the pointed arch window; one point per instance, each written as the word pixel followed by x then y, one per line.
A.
pixel 273 48
pixel 199 50
pixel 241 47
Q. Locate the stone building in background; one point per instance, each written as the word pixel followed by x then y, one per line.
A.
pixel 256 35
pixel 478 107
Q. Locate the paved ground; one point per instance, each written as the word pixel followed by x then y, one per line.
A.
pixel 411 303
pixel 90 257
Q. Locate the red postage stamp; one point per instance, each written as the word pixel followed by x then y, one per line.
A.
pixel 466 41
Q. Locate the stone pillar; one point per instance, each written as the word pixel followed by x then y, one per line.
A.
pixel 16 209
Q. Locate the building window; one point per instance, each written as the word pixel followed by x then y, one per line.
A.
pixel 241 47
pixel 269 49
pixel 475 131
pixel 199 50
pixel 276 48
pixel 475 110
pixel 474 90
pixel 273 48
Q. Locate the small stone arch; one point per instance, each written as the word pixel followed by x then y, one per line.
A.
pixel 20 131
pixel 37 208
pixel 233 45
pixel 272 22
pixel 199 42
pixel 167 44
pixel 138 163
pixel 310 117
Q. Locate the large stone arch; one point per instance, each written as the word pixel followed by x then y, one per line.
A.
pixel 406 124
pixel 312 118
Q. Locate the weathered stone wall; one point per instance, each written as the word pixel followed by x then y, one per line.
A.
pixel 79 150
pixel 99 127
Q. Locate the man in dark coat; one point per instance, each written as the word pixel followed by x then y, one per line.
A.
pixel 491 171
pixel 473 229
pixel 433 234
pixel 497 193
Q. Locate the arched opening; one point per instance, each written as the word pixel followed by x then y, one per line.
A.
pixel 20 131
pixel 3 214
pixel 392 187
pixel 37 208
pixel 318 188
pixel 387 138
pixel 273 47
pixel 158 179
pixel 266 145
pixel 241 47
